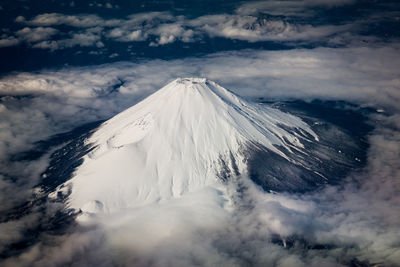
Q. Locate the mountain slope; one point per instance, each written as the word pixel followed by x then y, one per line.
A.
pixel 189 135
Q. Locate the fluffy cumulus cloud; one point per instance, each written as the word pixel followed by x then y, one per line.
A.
pixel 169 33
pixel 330 227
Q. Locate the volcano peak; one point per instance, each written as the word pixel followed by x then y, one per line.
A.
pixel 175 142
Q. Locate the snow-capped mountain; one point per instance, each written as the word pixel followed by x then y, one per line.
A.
pixel 189 135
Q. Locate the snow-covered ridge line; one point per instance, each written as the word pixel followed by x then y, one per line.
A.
pixel 171 144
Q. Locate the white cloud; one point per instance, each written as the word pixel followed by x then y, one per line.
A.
pixel 9 41
pixel 83 39
pixel 169 33
pixel 254 29
pixel 127 35
pixel 167 29
pixel 289 7
pixel 161 28
pixel 139 27
pixel 43 37
pixel 20 19
pixel 53 19
pixel 36 34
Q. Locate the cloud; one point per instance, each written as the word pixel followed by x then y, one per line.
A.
pixel 77 39
pixel 127 35
pixel 251 22
pixel 53 19
pixel 42 37
pixel 6 41
pixel 20 19
pixel 36 34
pixel 339 224
pixel 255 29
pixel 91 29
pixel 139 27
pixel 169 33
pixel 289 8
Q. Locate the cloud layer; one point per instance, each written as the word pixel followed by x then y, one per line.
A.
pixel 277 21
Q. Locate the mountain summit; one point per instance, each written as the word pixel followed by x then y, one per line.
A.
pixel 189 135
